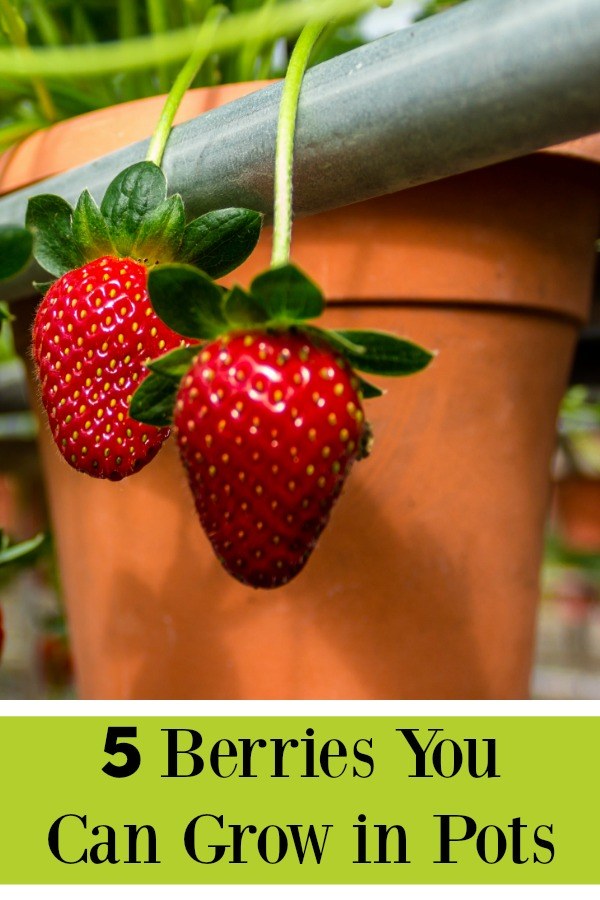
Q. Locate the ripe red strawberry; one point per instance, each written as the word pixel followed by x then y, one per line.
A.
pixel 268 425
pixel 95 328
pixel 93 332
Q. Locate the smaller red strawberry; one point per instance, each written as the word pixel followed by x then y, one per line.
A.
pixel 268 425
pixel 93 332
pixel 268 414
pixel 95 327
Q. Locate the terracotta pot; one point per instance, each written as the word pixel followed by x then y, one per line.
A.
pixel 577 511
pixel 425 584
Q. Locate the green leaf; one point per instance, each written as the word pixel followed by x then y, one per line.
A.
pixel 5 315
pixel 129 198
pixel 368 390
pixel 287 294
pixel 42 286
pixel 220 241
pixel 385 354
pixel 49 218
pixel 15 250
pixel 154 400
pixel 23 552
pixel 175 364
pixel 336 340
pixel 90 229
pixel 187 300
pixel 241 309
pixel 161 232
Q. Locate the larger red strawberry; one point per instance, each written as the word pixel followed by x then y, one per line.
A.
pixel 93 332
pixel 268 414
pixel 95 327
pixel 268 426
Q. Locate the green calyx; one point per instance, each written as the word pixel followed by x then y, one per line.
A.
pixel 281 298
pixel 137 219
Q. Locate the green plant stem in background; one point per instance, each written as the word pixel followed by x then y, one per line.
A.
pixel 134 84
pixel 145 52
pixel 159 24
pixel 286 129
pixel 17 34
pixel 251 49
pixel 181 84
pixel 46 24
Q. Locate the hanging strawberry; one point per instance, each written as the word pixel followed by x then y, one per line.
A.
pixel 268 410
pixel 95 327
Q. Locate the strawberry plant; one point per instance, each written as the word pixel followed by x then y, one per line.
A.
pixel 95 327
pixel 267 407
pixel 135 337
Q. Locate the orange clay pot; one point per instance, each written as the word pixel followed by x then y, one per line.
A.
pixel 425 584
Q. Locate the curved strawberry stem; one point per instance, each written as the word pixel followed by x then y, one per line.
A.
pixel 182 83
pixel 284 151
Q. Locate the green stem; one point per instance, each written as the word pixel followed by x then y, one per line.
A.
pixel 251 49
pixel 181 84
pixel 17 34
pixel 157 19
pixel 284 151
pixel 46 24
pixel 141 53
pixel 134 83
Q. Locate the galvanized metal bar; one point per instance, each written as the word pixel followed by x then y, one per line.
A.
pixel 484 82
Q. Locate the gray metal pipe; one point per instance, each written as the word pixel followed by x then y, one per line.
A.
pixel 484 82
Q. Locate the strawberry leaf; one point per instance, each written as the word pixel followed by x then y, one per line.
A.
pixel 42 286
pixel 385 354
pixel 368 390
pixel 241 309
pixel 220 241
pixel 287 294
pixel 187 300
pixel 175 364
pixel 15 250
pixel 49 218
pixel 336 340
pixel 5 314
pixel 129 198
pixel 90 229
pixel 154 400
pixel 161 232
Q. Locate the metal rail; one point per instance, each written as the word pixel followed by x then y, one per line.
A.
pixel 484 82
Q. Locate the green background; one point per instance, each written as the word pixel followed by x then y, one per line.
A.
pixel 53 765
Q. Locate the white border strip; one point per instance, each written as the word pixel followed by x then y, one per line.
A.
pixel 273 708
